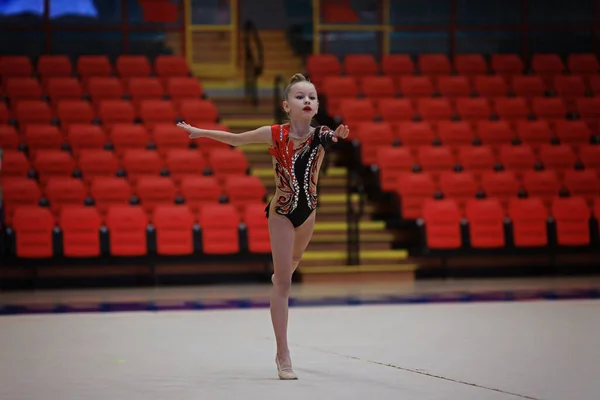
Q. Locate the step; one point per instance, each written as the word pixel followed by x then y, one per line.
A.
pixel 246 123
pixel 339 237
pixel 358 273
pixel 342 226
pixel 366 255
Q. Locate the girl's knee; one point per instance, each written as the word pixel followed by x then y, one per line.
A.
pixel 282 282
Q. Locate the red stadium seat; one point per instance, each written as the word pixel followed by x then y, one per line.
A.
pixel 372 136
pixel 573 133
pixel 414 87
pixel 80 231
pixel 529 217
pixel 154 112
pixel 168 66
pixel 220 229
pixel 583 64
pixel 4 113
pixel 434 64
pixel 391 161
pixel 19 192
pixel 54 66
pixel 18 89
pixel 459 187
pixel 512 109
pixel 75 112
pixel 9 138
pixel 357 110
pixel 590 157
pixel 560 158
pixel 470 65
pixel 182 88
pixel 130 66
pixel 528 86
pixel 258 229
pixel 126 136
pixel 359 65
pixel 544 185
pixel 517 158
pixel 393 110
pixel 572 216
pixel 110 191
pixel 570 88
pixel 495 133
pixel 33 230
pixel 502 185
pixel 14 164
pixel 89 66
pixel 582 183
pixel 320 66
pixel 64 88
pixel 174 230
pixel 154 191
pixel 127 230
pixel 198 111
pixel 105 88
pixel 377 87
pixel 50 163
pixel 413 189
pixel 33 112
pixel 435 159
pixel 85 137
pixel 199 191
pixel 415 134
pixel 336 88
pixel 454 86
pixel 476 159
pixel 184 162
pixel 507 65
pixel 547 65
pixel 169 137
pixel 442 224
pixel 473 109
pixel 97 163
pixel 139 163
pixel 15 66
pixel 42 137
pixel 115 111
pixel 64 192
pixel 534 133
pixel 455 133
pixel 227 162
pixel 397 65
pixel 490 87
pixel 551 108
pixel 243 190
pixel 486 223
pixel 434 110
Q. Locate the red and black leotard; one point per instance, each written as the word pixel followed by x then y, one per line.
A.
pixel 296 171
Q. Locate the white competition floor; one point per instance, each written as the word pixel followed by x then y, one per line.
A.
pixel 451 351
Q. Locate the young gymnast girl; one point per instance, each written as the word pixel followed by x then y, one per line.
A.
pixel 298 150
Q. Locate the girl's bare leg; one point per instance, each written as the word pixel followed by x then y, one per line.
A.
pixel 287 246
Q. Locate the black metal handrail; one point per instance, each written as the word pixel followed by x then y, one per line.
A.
pixel 254 63
pixel 278 87
pixel 354 213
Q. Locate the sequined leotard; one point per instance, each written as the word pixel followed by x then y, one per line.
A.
pixel 296 172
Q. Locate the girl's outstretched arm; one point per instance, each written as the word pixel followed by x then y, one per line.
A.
pixel 259 135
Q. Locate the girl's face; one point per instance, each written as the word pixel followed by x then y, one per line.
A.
pixel 302 101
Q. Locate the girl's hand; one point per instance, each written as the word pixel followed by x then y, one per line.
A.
pixel 188 128
pixel 341 132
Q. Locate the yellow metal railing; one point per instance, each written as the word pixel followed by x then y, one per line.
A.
pixel 204 44
pixel 384 27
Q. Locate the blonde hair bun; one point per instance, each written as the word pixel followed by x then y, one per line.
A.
pixel 297 78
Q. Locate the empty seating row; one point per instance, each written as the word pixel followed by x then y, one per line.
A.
pixel 506 65
pixel 101 88
pixel 80 232
pixel 413 189
pixel 351 109
pixel 529 224
pixel 119 137
pixel 486 86
pixel 149 192
pixel 480 159
pixel 134 164
pixel 110 112
pixel 87 66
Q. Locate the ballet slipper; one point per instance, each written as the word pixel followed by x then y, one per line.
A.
pixel 285 373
